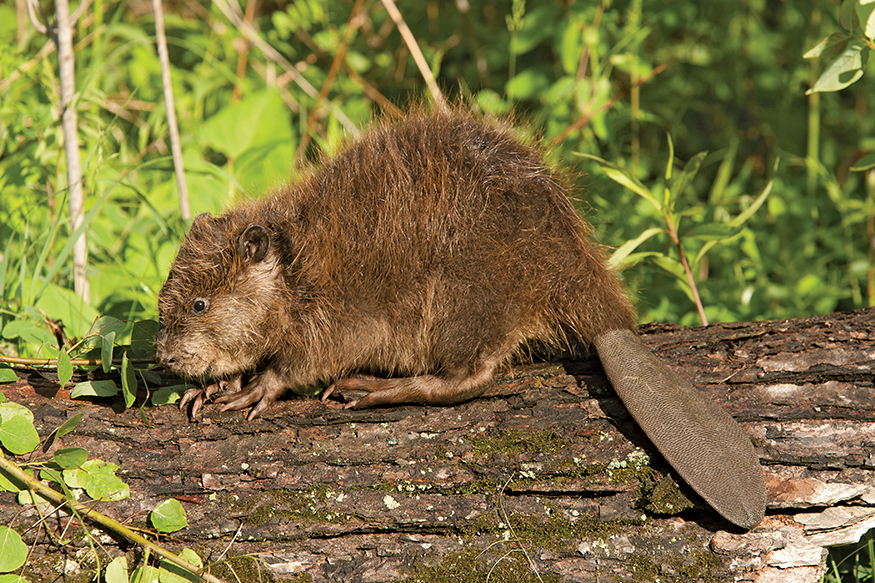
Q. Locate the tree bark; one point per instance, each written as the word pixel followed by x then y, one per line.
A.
pixel 544 478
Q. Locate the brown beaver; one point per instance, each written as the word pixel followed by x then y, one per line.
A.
pixel 406 270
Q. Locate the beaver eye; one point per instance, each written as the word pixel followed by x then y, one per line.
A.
pixel 199 306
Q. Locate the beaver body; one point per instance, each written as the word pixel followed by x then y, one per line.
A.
pixel 406 270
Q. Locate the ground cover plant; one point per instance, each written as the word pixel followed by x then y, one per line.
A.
pixel 724 149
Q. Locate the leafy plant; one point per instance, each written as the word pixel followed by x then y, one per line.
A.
pixel 665 198
pixel 70 470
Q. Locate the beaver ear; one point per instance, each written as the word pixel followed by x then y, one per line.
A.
pixel 254 244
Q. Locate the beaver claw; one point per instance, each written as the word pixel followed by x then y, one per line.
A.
pixel 199 396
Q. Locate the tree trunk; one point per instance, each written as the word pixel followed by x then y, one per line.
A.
pixel 544 478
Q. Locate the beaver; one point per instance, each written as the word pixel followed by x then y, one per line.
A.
pixel 407 269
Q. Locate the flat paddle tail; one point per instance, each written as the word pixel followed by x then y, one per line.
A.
pixel 700 439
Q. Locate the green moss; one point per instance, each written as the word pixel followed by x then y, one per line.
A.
pixel 512 443
pixel 665 497
pixel 246 568
pixel 556 532
pixel 703 568
pixel 293 504
pixel 473 566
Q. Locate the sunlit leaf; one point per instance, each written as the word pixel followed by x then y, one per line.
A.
pixel 168 516
pixel 13 551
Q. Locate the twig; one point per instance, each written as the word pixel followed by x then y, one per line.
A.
pixel 76 362
pixel 339 58
pixel 70 124
pixel 161 40
pixel 418 58
pixel 252 35
pixel 100 519
pixel 243 53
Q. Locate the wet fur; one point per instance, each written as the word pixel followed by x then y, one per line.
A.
pixel 436 242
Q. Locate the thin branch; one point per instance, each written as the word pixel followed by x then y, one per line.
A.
pixel 41 27
pixel 101 519
pixel 418 58
pixel 175 147
pixel 70 124
pixel 351 26
pixel 271 53
pixel 75 362
pixel 243 53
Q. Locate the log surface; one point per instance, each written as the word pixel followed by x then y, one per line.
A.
pixel 546 477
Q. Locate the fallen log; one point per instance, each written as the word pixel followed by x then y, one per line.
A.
pixel 544 478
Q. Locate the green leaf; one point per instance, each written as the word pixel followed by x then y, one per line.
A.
pixel 169 516
pixel 147 574
pixel 106 324
pixel 711 232
pixel 105 388
pixel 10 410
pixel 143 338
pixel 846 69
pixel 864 163
pixel 625 178
pixel 18 435
pixel 70 458
pixel 254 120
pixel 866 12
pixel 623 251
pixel 528 84
pixel 116 571
pixel 848 15
pixel 106 346
pixel 35 335
pixel 129 381
pixel 830 47
pixel 169 395
pixel 537 26
pixel 65 367
pixel 13 551
pixel 100 482
pixel 7 375
pixel 13 329
pixel 68 425
pixel 679 184
pixel 6 484
pixel 747 213
pixel 172 573
pixel 12 579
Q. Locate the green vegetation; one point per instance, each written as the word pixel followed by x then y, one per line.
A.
pixel 672 116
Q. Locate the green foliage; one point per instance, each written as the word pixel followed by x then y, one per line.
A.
pixel 846 52
pixel 70 469
pixel 168 516
pixel 852 563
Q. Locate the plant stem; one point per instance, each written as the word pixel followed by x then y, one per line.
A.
pixel 70 124
pixel 672 232
pixel 170 106
pixel 101 519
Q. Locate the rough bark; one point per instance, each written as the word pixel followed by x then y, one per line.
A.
pixel 544 476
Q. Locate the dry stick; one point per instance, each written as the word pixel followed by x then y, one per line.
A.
pixel 339 58
pixel 161 40
pixel 252 36
pixel 70 124
pixel 74 362
pixel 605 106
pixel 100 519
pixel 243 53
pixel 418 58
pixel 372 92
